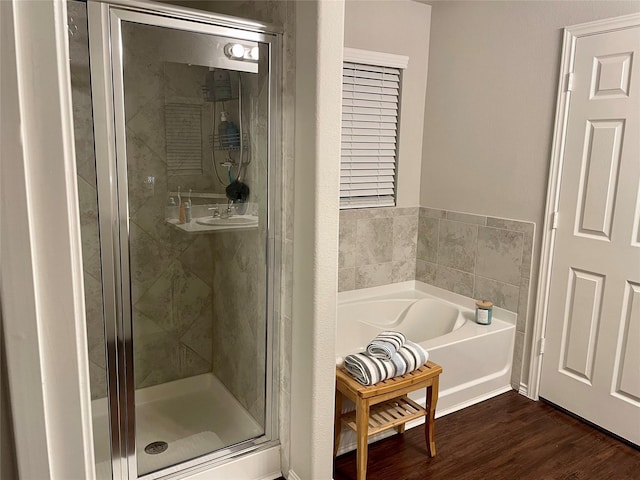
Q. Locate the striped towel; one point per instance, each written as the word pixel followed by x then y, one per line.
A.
pixel 385 345
pixel 369 370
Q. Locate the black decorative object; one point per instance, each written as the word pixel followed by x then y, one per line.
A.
pixel 237 192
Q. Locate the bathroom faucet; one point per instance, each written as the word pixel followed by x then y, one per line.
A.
pixel 225 213
pixel 228 212
pixel 216 212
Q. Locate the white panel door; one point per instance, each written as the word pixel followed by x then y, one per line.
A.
pixel 591 364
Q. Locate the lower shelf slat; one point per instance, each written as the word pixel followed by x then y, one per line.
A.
pixel 388 414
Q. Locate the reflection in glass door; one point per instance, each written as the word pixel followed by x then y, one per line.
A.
pixel 189 224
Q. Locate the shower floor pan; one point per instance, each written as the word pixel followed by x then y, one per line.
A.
pixel 194 416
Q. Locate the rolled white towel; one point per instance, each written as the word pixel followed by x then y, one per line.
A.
pixel 386 344
pixel 370 370
pixel 414 355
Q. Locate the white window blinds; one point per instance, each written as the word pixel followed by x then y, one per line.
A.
pixel 370 95
pixel 183 133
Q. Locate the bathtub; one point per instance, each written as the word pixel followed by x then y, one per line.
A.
pixel 476 359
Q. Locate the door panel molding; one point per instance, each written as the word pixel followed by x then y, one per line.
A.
pixel 599 178
pixel 625 384
pixel 611 76
pixel 581 324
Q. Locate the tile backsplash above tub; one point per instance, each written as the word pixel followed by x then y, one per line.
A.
pixel 377 247
pixel 473 255
pixel 476 256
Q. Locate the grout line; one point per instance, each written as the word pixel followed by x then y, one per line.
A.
pixel 475 255
pixel 498 281
pixel 437 262
pixel 521 262
pixel 475 261
pixel 456 270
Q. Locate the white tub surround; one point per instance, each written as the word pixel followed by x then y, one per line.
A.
pixel 473 255
pixel 476 359
pixel 482 257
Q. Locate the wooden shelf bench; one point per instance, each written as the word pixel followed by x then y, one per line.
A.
pixel 385 405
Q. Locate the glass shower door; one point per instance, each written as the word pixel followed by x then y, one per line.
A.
pixel 190 221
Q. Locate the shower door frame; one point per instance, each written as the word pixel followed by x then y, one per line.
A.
pixel 107 85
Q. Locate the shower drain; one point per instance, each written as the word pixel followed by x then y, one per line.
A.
pixel 156 447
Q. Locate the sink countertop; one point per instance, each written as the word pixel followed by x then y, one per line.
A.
pixel 194 227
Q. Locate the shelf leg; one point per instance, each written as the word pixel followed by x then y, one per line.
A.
pixel 362 426
pixel 338 423
pixel 429 424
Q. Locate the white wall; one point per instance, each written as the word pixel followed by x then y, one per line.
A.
pixel 8 115
pixel 318 85
pixel 490 106
pixel 400 27
pixel 41 277
pixel 493 76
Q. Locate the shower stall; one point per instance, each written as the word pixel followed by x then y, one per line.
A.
pixel 175 122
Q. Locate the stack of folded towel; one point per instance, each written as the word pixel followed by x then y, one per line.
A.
pixel 388 355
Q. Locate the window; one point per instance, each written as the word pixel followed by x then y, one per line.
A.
pixel 183 133
pixel 371 84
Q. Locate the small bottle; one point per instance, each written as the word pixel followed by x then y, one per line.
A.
pixel 183 213
pixel 187 212
pixel 484 309
pixel 223 126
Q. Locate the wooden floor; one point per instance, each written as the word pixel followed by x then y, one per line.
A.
pixel 508 437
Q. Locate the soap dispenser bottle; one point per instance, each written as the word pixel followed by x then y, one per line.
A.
pixel 233 135
pixel 228 132
pixel 223 126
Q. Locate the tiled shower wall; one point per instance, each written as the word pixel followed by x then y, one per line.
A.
pixel 173 274
pixel 281 14
pixel 377 247
pixel 225 319
pixel 473 255
pixel 145 129
pixel 239 281
pixel 86 177
pixel 171 280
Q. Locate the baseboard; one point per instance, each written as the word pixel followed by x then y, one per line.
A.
pixel 351 446
pixel 473 401
pixel 293 476
pixel 524 389
pixel 272 476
